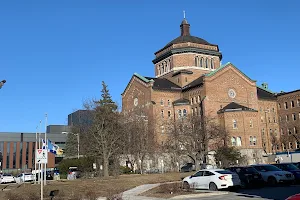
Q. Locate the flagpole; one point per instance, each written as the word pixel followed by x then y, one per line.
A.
pixel 39 175
pixel 46 143
pixel 36 138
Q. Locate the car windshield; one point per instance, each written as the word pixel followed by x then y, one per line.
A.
pixel 224 172
pixel 270 168
pixel 250 170
pixel 290 167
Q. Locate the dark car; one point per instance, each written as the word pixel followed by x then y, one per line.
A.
pixel 290 168
pixel 249 176
pixel 188 167
pixel 297 164
pixel 49 176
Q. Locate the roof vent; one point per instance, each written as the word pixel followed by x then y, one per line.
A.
pixel 264 85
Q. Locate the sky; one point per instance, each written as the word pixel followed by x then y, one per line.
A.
pixel 55 54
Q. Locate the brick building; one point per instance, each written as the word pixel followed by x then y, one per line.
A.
pixel 190 80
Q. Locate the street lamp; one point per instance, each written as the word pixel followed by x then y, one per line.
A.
pixel 2 83
pixel 77 135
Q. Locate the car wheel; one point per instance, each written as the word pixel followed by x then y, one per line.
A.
pixel 213 187
pixel 272 181
pixel 186 185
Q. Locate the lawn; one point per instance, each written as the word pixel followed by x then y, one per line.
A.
pixel 92 187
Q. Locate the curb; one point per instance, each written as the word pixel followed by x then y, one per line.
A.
pixel 206 194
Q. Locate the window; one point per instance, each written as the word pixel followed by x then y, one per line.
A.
pixel 297 145
pixel 273 109
pixel 286 118
pixel 207 173
pixel 192 101
pixel 261 119
pixel 233 141
pixel 295 130
pixel 282 131
pixel 177 80
pixel 279 106
pixel 162 68
pixel 169 103
pixel 251 140
pixel 201 62
pixel 292 104
pixel 275 132
pixel 179 113
pixel 294 117
pixel 238 141
pixel 192 111
pixel 196 111
pixel 184 112
pixel 169 114
pixel 251 123
pixel 234 124
pixel 274 119
pixel 197 61
pixel 285 105
pixel 162 129
pixel 212 64
pixel 206 63
pixel 162 113
pixel 269 119
pixel 290 145
pixel 271 131
pixel 298 102
pixel 199 173
pixel 289 131
pixel 185 79
pixel 263 131
pixel 280 119
pixel 7 154
pixel 283 146
pixel 161 102
pixel 158 70
pixel 198 99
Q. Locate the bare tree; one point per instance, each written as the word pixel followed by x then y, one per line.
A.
pixel 139 141
pixel 195 137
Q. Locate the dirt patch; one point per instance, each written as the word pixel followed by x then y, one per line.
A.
pixel 97 187
pixel 168 190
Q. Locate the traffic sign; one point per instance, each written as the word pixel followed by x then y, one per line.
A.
pixel 41 156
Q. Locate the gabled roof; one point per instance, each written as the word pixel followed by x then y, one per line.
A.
pixel 163 84
pixel 235 107
pixel 223 67
pixel 195 83
pixel 283 93
pixel 263 93
pixel 181 101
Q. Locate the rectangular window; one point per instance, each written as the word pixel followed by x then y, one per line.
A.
pixel 239 141
pixel 162 129
pixel 21 155
pixel 286 105
pixel 162 113
pixel 289 131
pixel 14 154
pixel 269 119
pixel 7 154
pixel 298 102
pixel 279 106
pixel 280 119
pixel 297 145
pixel 169 114
pixel 1 153
pixel 263 131
pixel 254 140
pixel 290 145
pixel 292 104
pixel 169 103
pixel 294 117
pixel 27 153
pixel 161 102
pixel 274 119
pixel 283 146
pixel 251 140
pixel 273 110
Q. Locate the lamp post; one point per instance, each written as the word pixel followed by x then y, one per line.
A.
pixel 77 135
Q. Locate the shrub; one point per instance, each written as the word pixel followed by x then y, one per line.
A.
pixel 125 170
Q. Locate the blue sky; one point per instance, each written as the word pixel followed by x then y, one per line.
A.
pixel 54 54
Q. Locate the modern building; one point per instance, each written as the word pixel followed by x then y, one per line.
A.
pixel 79 117
pixel 17 150
pixel 190 80
pixel 289 119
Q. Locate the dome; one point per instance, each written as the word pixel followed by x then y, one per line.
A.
pixel 188 38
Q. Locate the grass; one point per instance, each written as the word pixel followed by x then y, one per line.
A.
pixel 89 188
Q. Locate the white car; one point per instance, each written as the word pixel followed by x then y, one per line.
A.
pixel 7 178
pixel 273 175
pixel 24 177
pixel 212 179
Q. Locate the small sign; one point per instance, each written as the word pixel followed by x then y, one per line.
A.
pixel 41 156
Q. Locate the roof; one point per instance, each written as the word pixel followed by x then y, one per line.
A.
pixel 283 93
pixel 163 84
pixel 184 71
pixel 188 38
pixel 265 94
pixel 234 107
pixel 181 101
pixel 195 83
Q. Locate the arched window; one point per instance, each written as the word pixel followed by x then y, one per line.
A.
pixel 179 113
pixel 233 141
pixel 158 70
pixel 234 123
pixel 184 113
pixel 295 130
pixel 196 111
pixel 166 66
pixel 292 104
pixel 206 63
pixel 198 99
pixel 169 103
pixel 162 68
pixel 161 102
pixel 201 62
pixel 251 123
pixel 238 141
pixel 212 64
pixel 298 102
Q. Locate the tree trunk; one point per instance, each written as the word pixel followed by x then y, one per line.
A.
pixel 105 166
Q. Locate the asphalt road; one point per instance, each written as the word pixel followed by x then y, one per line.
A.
pixel 278 193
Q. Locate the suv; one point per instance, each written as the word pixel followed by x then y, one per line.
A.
pixel 273 175
pixel 249 176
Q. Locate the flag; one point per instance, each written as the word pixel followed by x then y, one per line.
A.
pixel 52 148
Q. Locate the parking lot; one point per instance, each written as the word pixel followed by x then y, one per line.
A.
pixel 278 193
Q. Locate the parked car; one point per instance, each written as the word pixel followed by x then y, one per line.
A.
pixel 297 164
pixel 249 176
pixel 49 176
pixel 212 179
pixel 74 172
pixel 290 168
pixel 294 197
pixel 188 167
pixel 273 175
pixel 24 177
pixel 7 178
